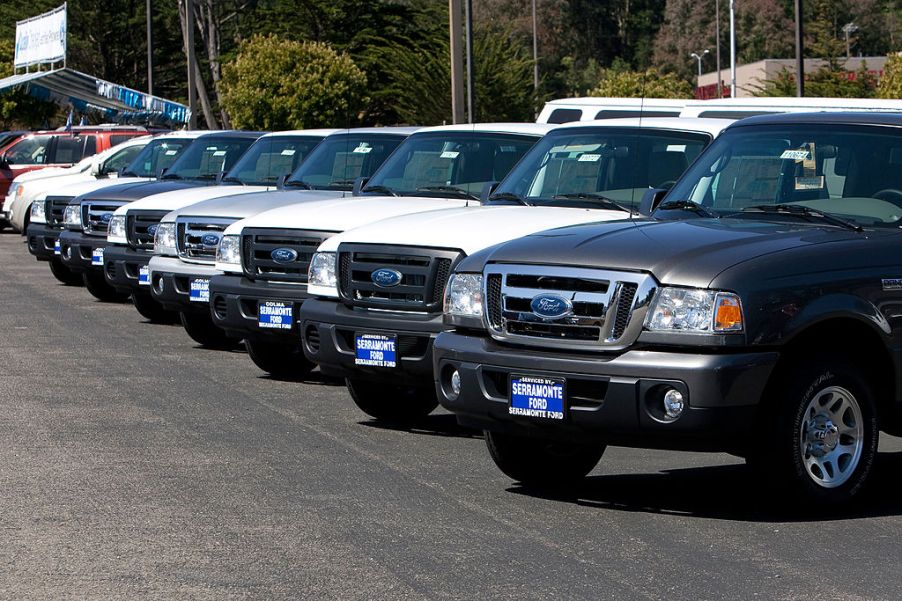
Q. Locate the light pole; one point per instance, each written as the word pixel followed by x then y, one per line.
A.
pixel 849 29
pixel 699 57
pixel 733 48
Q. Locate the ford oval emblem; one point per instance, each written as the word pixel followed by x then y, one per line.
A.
pixel 386 278
pixel 284 255
pixel 106 217
pixel 152 229
pixel 551 306
pixel 210 239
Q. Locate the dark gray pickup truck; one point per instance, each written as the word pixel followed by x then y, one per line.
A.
pixel 758 311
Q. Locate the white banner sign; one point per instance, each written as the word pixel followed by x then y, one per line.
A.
pixel 41 39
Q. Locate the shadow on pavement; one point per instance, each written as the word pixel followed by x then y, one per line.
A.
pixel 444 425
pixel 727 492
pixel 315 378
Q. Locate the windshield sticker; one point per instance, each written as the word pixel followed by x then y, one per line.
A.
pixel 810 183
pixel 169 153
pixel 219 153
pixel 363 148
pixel 449 154
pixel 796 155
pixel 676 148
pixel 892 283
pixel 288 152
pixel 589 158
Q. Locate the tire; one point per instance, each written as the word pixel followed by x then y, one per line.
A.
pixel 392 402
pixel 281 361
pixel 99 289
pixel 64 274
pixel 151 310
pixel 202 330
pixel 819 432
pixel 542 464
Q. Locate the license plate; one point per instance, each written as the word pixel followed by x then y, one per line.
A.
pixel 276 315
pixel 56 247
pixel 537 397
pixel 376 350
pixel 97 257
pixel 199 289
pixel 144 276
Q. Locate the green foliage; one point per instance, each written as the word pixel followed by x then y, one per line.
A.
pixel 829 81
pixel 650 83
pixel 277 84
pixel 891 82
pixel 18 110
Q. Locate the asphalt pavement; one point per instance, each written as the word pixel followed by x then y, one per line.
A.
pixel 135 465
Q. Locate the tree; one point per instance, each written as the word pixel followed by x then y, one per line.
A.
pixel 828 81
pixel 275 84
pixel 642 84
pixel 891 83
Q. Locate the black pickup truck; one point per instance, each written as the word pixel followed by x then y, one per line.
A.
pixel 757 311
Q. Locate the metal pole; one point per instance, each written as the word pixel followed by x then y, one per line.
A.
pixel 535 55
pixel 717 38
pixel 149 50
pixel 800 48
pixel 457 59
pixel 471 81
pixel 733 48
pixel 189 43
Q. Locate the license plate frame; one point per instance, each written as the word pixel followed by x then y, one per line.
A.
pixel 379 355
pixel 543 404
pixel 275 321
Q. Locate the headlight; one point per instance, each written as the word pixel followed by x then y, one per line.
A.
pixel 72 216
pixel 463 295
pixel 322 279
pixel 38 212
pixel 117 228
pixel 229 250
pixel 695 311
pixel 164 240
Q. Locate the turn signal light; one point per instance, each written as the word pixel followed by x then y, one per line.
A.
pixel 727 313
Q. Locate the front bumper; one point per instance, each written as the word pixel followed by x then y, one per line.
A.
pixel 616 400
pixel 41 239
pixel 77 251
pixel 122 268
pixel 329 329
pixel 171 280
pixel 235 307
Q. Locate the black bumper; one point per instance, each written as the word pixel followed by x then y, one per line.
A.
pixel 122 268
pixel 41 239
pixel 329 330
pixel 234 303
pixel 173 291
pixel 617 400
pixel 77 251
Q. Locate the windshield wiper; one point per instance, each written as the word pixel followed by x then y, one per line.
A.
pixel 600 199
pixel 510 196
pixel 342 182
pixel 171 176
pixel 205 176
pixel 686 205
pixel 383 189
pixel 232 178
pixel 803 212
pixel 298 183
pixel 453 189
pixel 128 174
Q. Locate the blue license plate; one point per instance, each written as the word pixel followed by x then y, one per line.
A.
pixel 144 276
pixel 276 315
pixel 56 247
pixel 537 397
pixel 199 289
pixel 376 350
pixel 97 257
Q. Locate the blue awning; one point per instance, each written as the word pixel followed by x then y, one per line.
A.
pixel 89 94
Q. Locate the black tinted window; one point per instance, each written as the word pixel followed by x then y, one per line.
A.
pixel 564 115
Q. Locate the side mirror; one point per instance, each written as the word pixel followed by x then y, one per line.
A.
pixel 650 200
pixel 487 189
pixel 280 183
pixel 96 170
pixel 359 183
pixel 4 164
pixel 163 172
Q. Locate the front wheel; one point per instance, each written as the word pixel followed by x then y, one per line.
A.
pixel 63 273
pixel 820 433
pixel 281 361
pixel 201 329
pixel 99 289
pixel 392 402
pixel 538 463
pixel 151 310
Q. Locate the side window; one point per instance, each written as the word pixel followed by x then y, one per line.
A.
pixel 117 139
pixel 30 151
pixel 564 115
pixel 120 159
pixel 68 149
pixel 90 146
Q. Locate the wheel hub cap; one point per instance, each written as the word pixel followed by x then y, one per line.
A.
pixel 831 436
pixel 823 436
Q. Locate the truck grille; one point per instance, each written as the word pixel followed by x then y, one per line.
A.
pixel 258 253
pixel 140 227
pixel 197 238
pixel 54 207
pixel 606 309
pixel 96 215
pixel 423 274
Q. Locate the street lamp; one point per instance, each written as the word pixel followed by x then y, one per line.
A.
pixel 849 29
pixel 699 58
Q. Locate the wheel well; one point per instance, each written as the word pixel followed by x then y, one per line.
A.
pixel 855 339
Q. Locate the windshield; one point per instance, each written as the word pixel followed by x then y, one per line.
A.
pixel 342 158
pixel 158 154
pixel 853 172
pixel 571 166
pixel 208 157
pixel 270 158
pixel 449 164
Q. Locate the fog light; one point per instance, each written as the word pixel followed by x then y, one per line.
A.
pixel 455 382
pixel 673 403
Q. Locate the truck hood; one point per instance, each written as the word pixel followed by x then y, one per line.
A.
pixel 343 214
pixel 687 253
pixel 468 229
pixel 176 199
pixel 49 172
pixel 80 187
pixel 245 205
pixel 131 191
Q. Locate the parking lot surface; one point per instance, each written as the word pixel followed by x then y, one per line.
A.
pixel 134 465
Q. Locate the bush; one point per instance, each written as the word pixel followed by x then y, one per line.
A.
pixel 641 84
pixel 890 85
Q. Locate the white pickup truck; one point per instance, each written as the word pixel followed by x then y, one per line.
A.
pixel 378 290
pixel 132 227
pixel 265 258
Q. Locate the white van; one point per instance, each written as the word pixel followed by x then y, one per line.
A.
pixel 565 110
